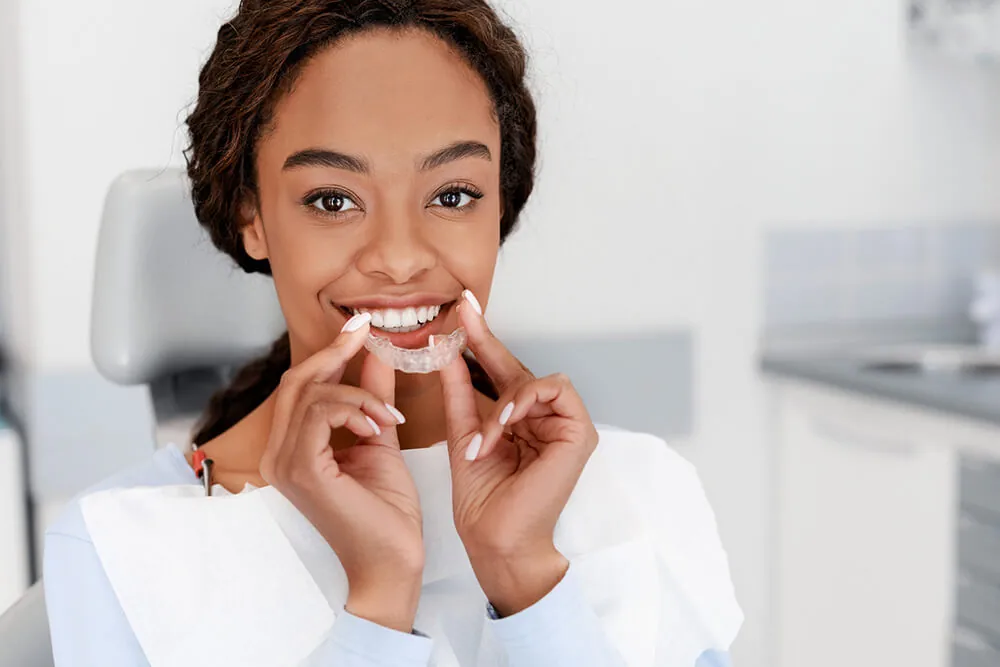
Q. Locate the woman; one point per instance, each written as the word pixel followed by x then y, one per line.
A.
pixel 372 156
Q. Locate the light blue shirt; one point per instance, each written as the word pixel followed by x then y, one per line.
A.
pixel 89 627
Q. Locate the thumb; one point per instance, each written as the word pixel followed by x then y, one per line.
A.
pixel 380 379
pixel 461 414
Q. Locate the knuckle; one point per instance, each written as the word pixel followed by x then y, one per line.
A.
pixel 288 379
pixel 314 392
pixel 316 410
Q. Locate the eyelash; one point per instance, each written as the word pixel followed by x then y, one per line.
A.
pixel 458 188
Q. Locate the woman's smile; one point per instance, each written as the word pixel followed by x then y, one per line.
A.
pixel 406 322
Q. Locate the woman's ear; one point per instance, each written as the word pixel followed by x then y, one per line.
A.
pixel 254 240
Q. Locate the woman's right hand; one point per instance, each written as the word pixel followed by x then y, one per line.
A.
pixel 361 499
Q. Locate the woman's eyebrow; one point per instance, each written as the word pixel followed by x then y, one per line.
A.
pixel 455 151
pixel 323 157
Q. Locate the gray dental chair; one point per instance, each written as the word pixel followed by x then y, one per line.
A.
pixel 170 312
pixel 174 314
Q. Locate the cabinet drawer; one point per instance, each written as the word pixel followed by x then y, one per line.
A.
pixel 979 547
pixel 980 486
pixel 979 605
pixel 971 650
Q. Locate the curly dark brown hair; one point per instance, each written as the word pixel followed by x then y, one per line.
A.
pixel 257 56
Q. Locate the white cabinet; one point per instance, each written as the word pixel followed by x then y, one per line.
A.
pixel 864 533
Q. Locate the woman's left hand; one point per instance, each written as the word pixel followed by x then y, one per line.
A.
pixel 513 473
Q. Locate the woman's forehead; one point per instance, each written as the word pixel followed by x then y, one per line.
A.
pixel 387 95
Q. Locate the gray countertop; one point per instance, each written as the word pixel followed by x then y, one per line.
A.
pixel 839 365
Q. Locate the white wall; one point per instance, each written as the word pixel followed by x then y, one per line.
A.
pixel 105 85
pixel 674 132
pixel 15 318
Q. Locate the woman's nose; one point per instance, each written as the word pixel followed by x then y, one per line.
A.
pixel 396 249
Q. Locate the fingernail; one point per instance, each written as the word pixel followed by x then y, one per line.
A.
pixel 506 412
pixel 371 421
pixel 400 419
pixel 472 451
pixel 473 301
pixel 356 322
pixel 430 341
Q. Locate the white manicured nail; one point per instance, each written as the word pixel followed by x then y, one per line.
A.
pixel 473 301
pixel 371 421
pixel 356 322
pixel 400 419
pixel 505 414
pixel 472 451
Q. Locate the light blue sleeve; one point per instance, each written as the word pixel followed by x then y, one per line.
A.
pixel 88 626
pixel 562 630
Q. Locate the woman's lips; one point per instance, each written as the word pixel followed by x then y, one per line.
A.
pixel 416 338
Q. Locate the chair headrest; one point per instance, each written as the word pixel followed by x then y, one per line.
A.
pixel 165 299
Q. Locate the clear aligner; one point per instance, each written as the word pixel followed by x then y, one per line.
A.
pixel 440 351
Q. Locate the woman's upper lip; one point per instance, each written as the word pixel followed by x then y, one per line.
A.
pixel 387 301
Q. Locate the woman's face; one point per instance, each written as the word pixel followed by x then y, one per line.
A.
pixel 379 189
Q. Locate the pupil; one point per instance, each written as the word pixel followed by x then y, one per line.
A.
pixel 333 202
pixel 451 198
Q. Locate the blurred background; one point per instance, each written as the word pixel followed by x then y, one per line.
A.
pixel 794 206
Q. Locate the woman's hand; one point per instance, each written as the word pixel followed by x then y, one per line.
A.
pixel 362 499
pixel 526 459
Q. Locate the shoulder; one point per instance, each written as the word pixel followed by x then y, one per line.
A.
pixel 642 456
pixel 662 481
pixel 667 491
pixel 165 466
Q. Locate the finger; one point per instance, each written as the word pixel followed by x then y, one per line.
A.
pixel 460 412
pixel 324 392
pixel 371 404
pixel 379 380
pixel 493 425
pixel 322 418
pixel 312 438
pixel 327 365
pixel 503 367
pixel 551 396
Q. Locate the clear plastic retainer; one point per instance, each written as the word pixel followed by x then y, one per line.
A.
pixel 441 351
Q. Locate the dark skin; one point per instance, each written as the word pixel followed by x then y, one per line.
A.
pixel 412 214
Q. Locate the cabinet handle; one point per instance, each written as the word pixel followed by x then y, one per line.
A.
pixel 864 440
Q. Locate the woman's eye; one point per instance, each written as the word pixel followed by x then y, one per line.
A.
pixel 457 198
pixel 333 202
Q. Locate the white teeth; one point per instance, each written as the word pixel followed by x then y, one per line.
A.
pixel 403 320
pixel 392 319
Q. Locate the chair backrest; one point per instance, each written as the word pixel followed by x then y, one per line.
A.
pixel 168 306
